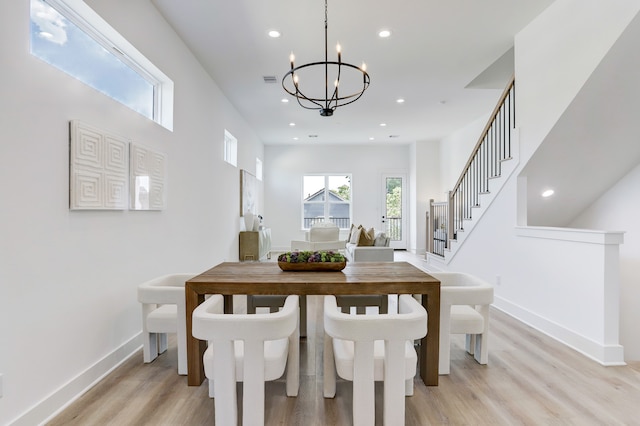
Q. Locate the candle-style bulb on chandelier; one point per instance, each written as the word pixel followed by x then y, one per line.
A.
pixel 333 97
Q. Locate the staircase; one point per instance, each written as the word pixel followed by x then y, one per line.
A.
pixel 493 159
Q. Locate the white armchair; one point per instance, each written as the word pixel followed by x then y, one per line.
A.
pixel 368 348
pixel 249 348
pixel 321 236
pixel 163 311
pixel 464 309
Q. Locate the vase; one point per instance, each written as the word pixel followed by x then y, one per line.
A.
pixel 248 220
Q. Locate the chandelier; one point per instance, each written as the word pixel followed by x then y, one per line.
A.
pixel 358 81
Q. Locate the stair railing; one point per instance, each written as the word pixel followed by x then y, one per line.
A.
pixel 493 147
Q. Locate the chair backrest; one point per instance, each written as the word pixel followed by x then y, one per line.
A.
pixel 363 330
pixel 210 323
pixel 164 289
pixel 458 288
pixel 324 231
pixel 255 331
pixel 409 323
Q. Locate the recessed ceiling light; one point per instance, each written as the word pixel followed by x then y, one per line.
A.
pixel 548 193
pixel 384 33
pixel 284 100
pixel 383 124
pixel 292 124
pixel 274 33
pixel 371 138
pixel 400 100
pixel 295 138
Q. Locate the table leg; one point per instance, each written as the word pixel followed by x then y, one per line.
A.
pixel 430 346
pixel 195 347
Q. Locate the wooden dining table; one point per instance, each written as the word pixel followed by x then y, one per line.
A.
pixel 357 278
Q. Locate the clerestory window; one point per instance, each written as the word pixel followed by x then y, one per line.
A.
pixel 73 38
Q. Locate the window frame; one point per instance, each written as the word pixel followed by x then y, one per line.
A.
pixel 92 24
pixel 230 154
pixel 327 201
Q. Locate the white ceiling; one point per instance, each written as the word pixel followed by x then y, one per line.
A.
pixel 449 60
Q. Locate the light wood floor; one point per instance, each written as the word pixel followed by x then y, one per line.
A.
pixel 530 380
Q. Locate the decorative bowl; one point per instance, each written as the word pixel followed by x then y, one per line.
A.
pixel 312 266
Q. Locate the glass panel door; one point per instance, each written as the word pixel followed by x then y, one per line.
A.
pixel 394 217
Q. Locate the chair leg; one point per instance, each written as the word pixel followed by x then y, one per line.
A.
pixel 293 363
pixel 149 340
pixel 224 383
pixel 363 385
pixel 149 346
pixel 329 368
pixel 212 392
pixel 163 342
pixel 408 387
pixel 393 400
pixel 482 348
pixel 253 384
pixel 481 345
pixel 470 343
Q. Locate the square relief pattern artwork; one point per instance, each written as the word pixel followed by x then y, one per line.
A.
pixel 98 169
pixel 148 178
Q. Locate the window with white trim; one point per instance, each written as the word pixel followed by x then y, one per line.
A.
pixel 70 36
pixel 258 168
pixel 230 149
pixel 326 198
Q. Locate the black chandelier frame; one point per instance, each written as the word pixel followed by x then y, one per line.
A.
pixel 328 104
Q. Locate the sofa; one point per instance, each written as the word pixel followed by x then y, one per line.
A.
pixel 321 236
pixel 368 246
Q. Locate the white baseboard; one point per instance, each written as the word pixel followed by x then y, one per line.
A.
pixel 52 405
pixel 607 355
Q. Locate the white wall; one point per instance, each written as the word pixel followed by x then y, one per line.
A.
pixel 285 165
pixel 554 56
pixel 455 150
pixel 426 169
pixel 68 309
pixel 618 209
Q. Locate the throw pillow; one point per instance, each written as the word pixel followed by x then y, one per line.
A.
pixel 366 237
pixel 353 228
pixel 381 240
pixel 355 236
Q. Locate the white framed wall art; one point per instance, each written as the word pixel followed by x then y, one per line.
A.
pixel 98 168
pixel 148 173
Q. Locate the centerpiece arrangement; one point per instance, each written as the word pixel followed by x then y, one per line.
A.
pixel 322 260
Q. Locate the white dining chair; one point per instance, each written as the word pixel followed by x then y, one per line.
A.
pixel 163 311
pixel 369 348
pixel 361 302
pixel 248 348
pixel 274 303
pixel 464 309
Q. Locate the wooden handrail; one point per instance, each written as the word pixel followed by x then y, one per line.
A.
pixel 483 135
